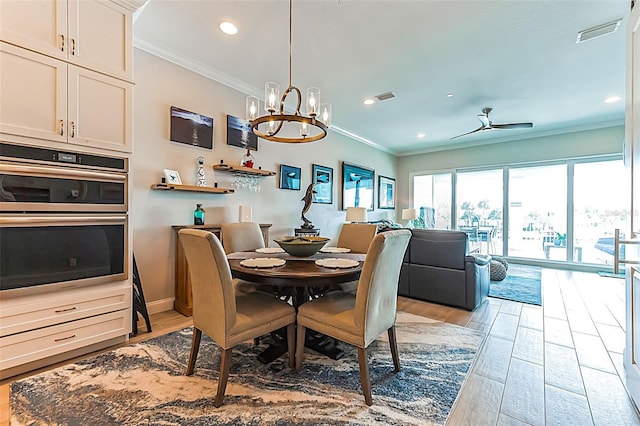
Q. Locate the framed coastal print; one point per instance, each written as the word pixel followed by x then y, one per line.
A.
pixel 172 176
pixel 386 192
pixel 289 177
pixel 322 176
pixel 239 133
pixel 191 128
pixel 357 186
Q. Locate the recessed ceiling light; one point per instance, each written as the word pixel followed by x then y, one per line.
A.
pixel 368 101
pixel 228 28
pixel 612 99
pixel 421 135
pixel 449 95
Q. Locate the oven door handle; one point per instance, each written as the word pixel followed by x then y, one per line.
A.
pixel 61 220
pixel 61 172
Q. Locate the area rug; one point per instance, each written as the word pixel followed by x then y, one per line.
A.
pixel 522 284
pixel 144 384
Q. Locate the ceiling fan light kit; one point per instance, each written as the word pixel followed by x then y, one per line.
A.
pixel 487 124
pixel 312 126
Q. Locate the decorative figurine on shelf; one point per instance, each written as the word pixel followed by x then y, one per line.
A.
pixel 248 160
pixel 201 180
pixel 308 199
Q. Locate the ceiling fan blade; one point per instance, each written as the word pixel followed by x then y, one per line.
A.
pixel 512 126
pixel 468 133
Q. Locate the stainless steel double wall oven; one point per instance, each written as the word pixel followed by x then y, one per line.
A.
pixel 63 218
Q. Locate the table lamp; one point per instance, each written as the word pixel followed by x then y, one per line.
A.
pixel 409 215
pixel 356 214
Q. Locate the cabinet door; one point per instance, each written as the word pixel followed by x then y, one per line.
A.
pixel 33 95
pixel 40 25
pixel 100 33
pixel 99 110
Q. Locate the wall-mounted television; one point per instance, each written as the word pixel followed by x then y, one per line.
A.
pixel 191 128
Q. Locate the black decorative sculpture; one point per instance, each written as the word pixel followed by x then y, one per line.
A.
pixel 308 199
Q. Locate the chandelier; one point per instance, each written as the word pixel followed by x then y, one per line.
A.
pixel 312 126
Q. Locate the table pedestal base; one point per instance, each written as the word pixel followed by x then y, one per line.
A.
pixel 316 341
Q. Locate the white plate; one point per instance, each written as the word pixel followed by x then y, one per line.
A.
pixel 335 250
pixel 264 262
pixel 270 250
pixel 333 262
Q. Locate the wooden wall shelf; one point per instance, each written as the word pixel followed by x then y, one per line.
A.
pixel 174 187
pixel 243 170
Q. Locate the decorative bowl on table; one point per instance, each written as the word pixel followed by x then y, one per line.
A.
pixel 302 246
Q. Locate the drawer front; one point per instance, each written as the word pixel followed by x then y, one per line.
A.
pixel 37 344
pixel 30 313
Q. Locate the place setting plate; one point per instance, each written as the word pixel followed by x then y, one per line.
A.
pixel 262 262
pixel 336 263
pixel 335 250
pixel 270 250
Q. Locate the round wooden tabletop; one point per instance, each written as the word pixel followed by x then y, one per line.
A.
pixel 295 273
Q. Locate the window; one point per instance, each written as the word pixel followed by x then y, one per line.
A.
pixel 432 199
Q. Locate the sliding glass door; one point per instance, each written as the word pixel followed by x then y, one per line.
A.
pixel 538 212
pixel 432 198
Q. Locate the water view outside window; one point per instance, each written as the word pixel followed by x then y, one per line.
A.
pixel 479 208
pixel 538 212
pixel 600 205
pixel 432 199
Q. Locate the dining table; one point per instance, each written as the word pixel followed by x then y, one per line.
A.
pixel 299 280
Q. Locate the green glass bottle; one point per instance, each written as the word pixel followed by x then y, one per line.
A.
pixel 198 215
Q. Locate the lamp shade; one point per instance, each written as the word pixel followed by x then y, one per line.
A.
pixel 356 214
pixel 409 214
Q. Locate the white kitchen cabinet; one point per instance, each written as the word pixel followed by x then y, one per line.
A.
pixel 95 34
pixel 45 98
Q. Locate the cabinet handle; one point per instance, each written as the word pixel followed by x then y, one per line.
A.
pixel 65 338
pixel 62 42
pixel 58 311
pixel 73 46
pixel 61 127
pixel 73 129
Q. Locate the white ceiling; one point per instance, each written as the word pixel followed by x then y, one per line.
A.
pixel 518 57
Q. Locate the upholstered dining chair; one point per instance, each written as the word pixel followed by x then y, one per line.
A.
pixel 241 236
pixel 357 236
pixel 229 318
pixel 358 319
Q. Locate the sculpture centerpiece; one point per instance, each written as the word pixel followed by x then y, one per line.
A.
pixel 308 199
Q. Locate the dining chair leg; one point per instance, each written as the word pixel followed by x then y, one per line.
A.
pixel 225 366
pixel 291 345
pixel 364 375
pixel 300 346
pixel 195 345
pixel 393 343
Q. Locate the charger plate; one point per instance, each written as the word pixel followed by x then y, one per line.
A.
pixel 332 262
pixel 270 250
pixel 335 250
pixel 262 262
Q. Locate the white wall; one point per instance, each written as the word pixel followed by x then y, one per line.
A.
pixel 160 84
pixel 569 145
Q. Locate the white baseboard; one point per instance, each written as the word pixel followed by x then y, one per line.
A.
pixel 160 306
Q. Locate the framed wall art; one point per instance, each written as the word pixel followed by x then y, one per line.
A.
pixel 239 133
pixel 386 192
pixel 172 176
pixel 322 176
pixel 357 186
pixel 191 128
pixel 289 177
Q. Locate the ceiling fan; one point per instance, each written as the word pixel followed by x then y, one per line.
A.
pixel 488 125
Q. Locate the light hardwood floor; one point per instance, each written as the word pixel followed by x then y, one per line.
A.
pixel 559 364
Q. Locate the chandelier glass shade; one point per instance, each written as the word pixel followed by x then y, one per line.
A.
pixel 275 124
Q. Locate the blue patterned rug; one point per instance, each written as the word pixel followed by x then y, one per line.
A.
pixel 144 384
pixel 522 284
